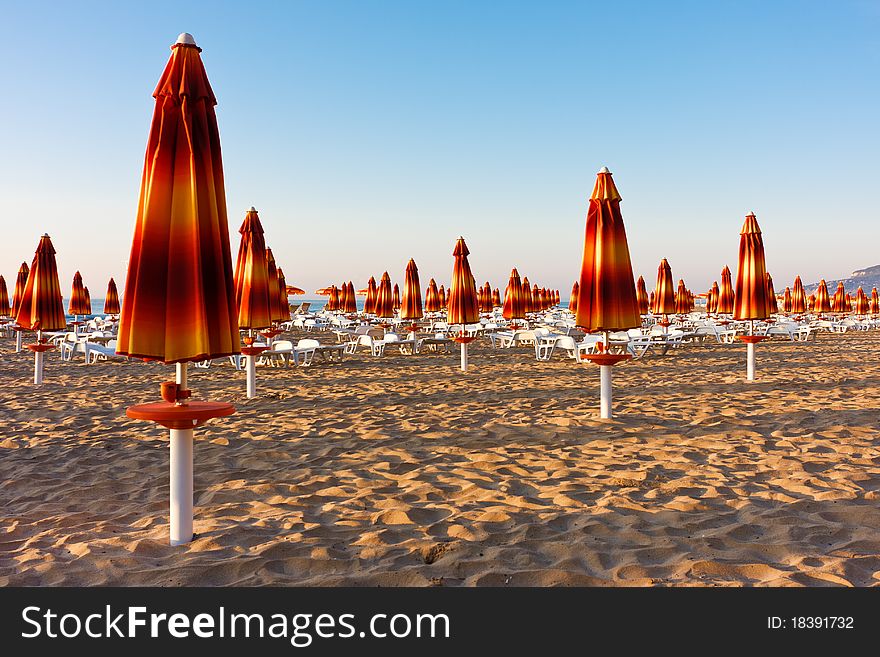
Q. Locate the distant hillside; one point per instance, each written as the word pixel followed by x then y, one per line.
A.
pixel 867 278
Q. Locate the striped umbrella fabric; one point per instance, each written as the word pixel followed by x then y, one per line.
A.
pixel 41 307
pixel 88 298
pixel 372 293
pixel 395 297
pixel 486 305
pixel 811 302
pixel 664 293
pixel 179 301
pixel 5 309
pixel 333 299
pixel 293 290
pixel 573 299
pixel 496 298
pixel 384 299
pixel 536 299
pixel 77 305
pixel 282 296
pixel 462 304
pixel 714 294
pixel 875 301
pixel 861 307
pixel 751 299
pixel 350 299
pixel 848 305
pixel 682 299
pixel 411 305
pixel 838 303
pixel 252 288
pixel 726 296
pixel 786 301
pixel 823 301
pixel 798 297
pixel 444 298
pixel 642 296
pixel 514 301
pixel 275 313
pixel 432 298
pixel 111 299
pixel 774 306
pixel 607 298
pixel 20 282
pixel 527 295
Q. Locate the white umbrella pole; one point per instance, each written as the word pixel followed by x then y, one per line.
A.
pixel 251 376
pixel 750 361
pixel 181 375
pixel 605 391
pixel 38 362
pixel 464 357
pixel 18 341
pixel 181 510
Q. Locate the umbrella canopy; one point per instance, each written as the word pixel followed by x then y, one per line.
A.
pixel 395 297
pixel 514 301
pixel 275 313
pixel 838 303
pixel 350 299
pixel 111 299
pixel 372 293
pixel 179 301
pixel 5 309
pixel 252 284
pixel 664 293
pixel 293 290
pixel 822 303
pixel 774 306
pixel 444 298
pixel 333 298
pixel 77 305
pixel 811 302
pixel 714 296
pixel 411 305
pixel 282 294
pixel 486 299
pixel 384 301
pixel 798 297
pixel 861 307
pixel 726 296
pixel 682 299
pixel 41 308
pixel 642 295
pixel 462 304
pixel 875 301
pixel 432 298
pixel 324 291
pixel 496 298
pixel 607 295
pixel 528 302
pixel 786 300
pixel 88 298
pixel 20 282
pixel 848 306
pixel 573 299
pixel 752 297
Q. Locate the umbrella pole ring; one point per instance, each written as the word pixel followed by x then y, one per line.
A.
pixel 605 392
pixel 181 507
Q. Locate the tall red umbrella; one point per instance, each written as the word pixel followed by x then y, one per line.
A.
pixel 848 305
pixel 861 306
pixel 20 282
pixel 274 299
pixel 111 299
pixel 774 306
pixel 496 298
pixel 432 298
pixel 486 305
pixel 411 304
pixel 372 293
pixel 384 301
pixel 41 308
pixel 77 305
pixel 88 298
pixel 798 297
pixel 682 299
pixel 350 299
pixel 282 293
pixel 333 299
pixel 607 294
pixel 536 299
pixel 714 295
pixel 642 296
pixel 342 297
pixel 664 293
pixel 573 299
pixel 726 295
pixel 752 298
pixel 514 301
pixel 838 304
pixel 252 289
pixel 444 298
pixel 5 309
pixel 395 297
pixel 179 301
pixel 528 302
pixel 786 301
pixel 462 306
pixel 875 301
pixel 823 301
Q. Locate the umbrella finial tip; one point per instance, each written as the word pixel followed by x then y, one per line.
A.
pixel 604 170
pixel 186 38
pixel 253 209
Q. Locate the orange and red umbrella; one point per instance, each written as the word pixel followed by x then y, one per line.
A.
pixel 384 306
pixel 714 295
pixel 486 299
pixel 664 293
pixel 774 306
pixel 111 299
pixel 179 301
pixel 333 299
pixel 682 299
pixel 411 306
pixel 861 307
pixel 372 292
pixel 607 295
pixel 444 298
pixel 77 305
pixel 798 297
pixel 293 290
pixel 573 299
pixel 41 308
pixel 282 294
pixel 88 298
pixel 726 296
pixel 642 296
pixel 514 301
pixel 395 297
pixel 350 299
pixel 496 298
pixel 823 299
pixel 462 304
pixel 432 298
pixel 5 310
pixel 20 282
pixel 528 302
pixel 786 300
pixel 252 284
pixel 875 301
pixel 275 313
pixel 839 303
pixel 752 295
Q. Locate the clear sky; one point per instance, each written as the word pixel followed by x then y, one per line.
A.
pixel 367 133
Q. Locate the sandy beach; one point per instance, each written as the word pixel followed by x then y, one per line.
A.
pixel 404 471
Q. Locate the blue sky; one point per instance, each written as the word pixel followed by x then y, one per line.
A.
pixel 367 133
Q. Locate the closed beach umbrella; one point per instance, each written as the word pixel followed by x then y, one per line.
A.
pixel 179 301
pixel 726 294
pixel 282 294
pixel 342 297
pixel 111 300
pixel 77 305
pixel 384 300
pixel 395 297
pixel 537 301
pixel 786 300
pixel 5 309
pixel 486 305
pixel 651 301
pixel 811 302
pixel 88 298
pixel 20 282
pixel 752 298
pixel 861 307
pixel 333 298
pixel 462 305
pixel 839 303
pixel 370 301
pixel 411 304
pixel 714 295
pixel 642 296
pixel 875 301
pixel 514 302
pixel 774 306
pixel 822 303
pixel 252 288
pixel 848 306
pixel 798 297
pixel 350 299
pixel 664 293
pixel 573 299
pixel 444 298
pixel 682 299
pixel 432 298
pixel 528 302
pixel 496 298
pixel 272 275
pixel 607 298
pixel 41 308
